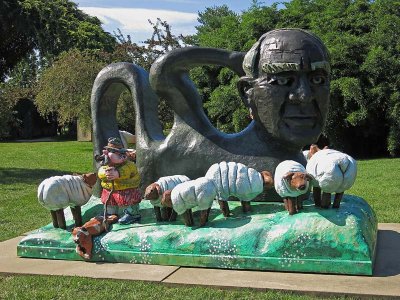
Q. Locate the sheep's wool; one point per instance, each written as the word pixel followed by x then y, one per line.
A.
pixel 168 183
pixel 235 179
pixel 334 171
pixel 62 191
pixel 200 192
pixel 282 186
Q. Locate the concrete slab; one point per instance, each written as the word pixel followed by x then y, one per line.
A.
pixel 10 263
pixel 385 281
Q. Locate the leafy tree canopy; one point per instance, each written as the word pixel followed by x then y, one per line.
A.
pixel 49 27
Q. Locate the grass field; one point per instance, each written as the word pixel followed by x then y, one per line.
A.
pixel 24 165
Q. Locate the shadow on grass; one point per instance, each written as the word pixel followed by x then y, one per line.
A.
pixel 27 176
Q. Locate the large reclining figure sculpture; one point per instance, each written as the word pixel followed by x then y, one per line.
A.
pixel 284 83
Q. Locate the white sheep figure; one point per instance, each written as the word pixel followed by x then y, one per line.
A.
pixel 155 191
pixel 237 180
pixel 291 181
pixel 200 193
pixel 333 172
pixel 58 192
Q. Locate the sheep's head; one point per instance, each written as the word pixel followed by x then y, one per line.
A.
pixel 90 179
pixel 152 192
pixel 314 149
pixel 166 200
pixel 298 180
pixel 268 180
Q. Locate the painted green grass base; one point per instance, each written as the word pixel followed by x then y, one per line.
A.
pixel 322 241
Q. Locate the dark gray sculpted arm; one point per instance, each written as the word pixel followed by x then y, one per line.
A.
pixel 107 88
pixel 170 80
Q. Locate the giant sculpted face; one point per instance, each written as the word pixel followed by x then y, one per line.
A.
pixel 286 86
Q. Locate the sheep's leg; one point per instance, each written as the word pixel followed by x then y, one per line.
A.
pixel 165 213
pixel 61 219
pixel 246 207
pixel 299 203
pixel 203 217
pixel 208 212
pixel 317 196
pixel 291 203
pixel 172 217
pixel 337 200
pixel 325 200
pixel 54 218
pixel 77 215
pixel 157 211
pixel 191 217
pixel 224 208
pixel 188 218
pixel 285 201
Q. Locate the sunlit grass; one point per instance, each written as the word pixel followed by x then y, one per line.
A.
pixel 60 287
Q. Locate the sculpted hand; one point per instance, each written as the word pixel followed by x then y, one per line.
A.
pixel 111 174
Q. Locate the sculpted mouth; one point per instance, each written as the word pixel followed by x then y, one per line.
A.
pixel 308 121
pixel 300 116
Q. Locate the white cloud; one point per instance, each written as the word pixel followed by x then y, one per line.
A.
pixel 133 21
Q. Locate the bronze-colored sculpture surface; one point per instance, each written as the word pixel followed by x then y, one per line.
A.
pixel 285 84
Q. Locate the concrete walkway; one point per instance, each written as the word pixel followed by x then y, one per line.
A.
pixel 385 283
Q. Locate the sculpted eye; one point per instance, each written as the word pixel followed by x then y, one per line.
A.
pixel 317 79
pixel 280 80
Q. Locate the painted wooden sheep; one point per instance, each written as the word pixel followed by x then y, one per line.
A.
pixel 237 180
pixel 58 192
pixel 333 172
pixel 155 191
pixel 194 193
pixel 291 181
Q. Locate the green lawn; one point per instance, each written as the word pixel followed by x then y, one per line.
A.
pixel 24 165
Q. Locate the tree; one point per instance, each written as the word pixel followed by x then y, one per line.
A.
pixel 65 87
pixel 48 27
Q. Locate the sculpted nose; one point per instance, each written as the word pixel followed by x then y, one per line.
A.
pixel 302 92
pixel 302 187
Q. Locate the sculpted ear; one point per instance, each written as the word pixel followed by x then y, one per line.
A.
pixel 244 85
pixel 288 176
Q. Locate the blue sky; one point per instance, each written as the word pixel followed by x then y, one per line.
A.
pixel 131 16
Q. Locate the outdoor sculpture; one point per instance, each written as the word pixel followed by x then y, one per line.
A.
pixel 58 192
pixel 199 193
pixel 285 84
pixel 235 180
pixel 83 236
pixel 333 172
pixel 155 191
pixel 119 180
pixel 291 181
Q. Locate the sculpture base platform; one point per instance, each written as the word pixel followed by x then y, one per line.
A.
pixel 316 240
